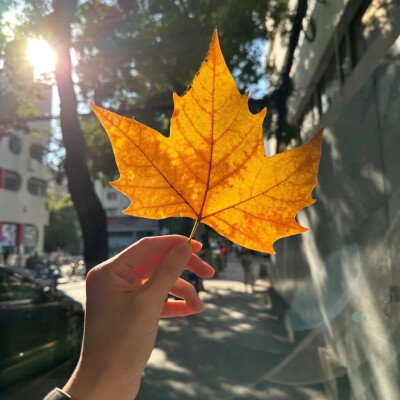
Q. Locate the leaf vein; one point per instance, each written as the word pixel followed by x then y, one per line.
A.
pixel 189 143
pixel 257 195
pixel 238 167
pixel 194 126
pixel 210 166
pixel 134 186
pixel 199 103
pixel 236 147
pixel 189 169
pixel 151 162
pixel 231 225
pixel 229 127
pixel 158 206
pixel 263 219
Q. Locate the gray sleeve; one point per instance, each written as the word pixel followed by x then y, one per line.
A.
pixel 57 394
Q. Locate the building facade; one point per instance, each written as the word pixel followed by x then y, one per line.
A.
pixel 23 183
pixel 341 279
pixel 123 230
pixel 23 173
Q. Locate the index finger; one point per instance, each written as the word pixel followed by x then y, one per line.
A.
pixel 195 265
pixel 148 249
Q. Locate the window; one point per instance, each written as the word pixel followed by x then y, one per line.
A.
pixel 142 234
pixel 119 240
pixel 311 114
pixel 307 120
pixel 12 181
pixel 15 144
pixel 113 212
pixel 37 152
pixel 358 33
pixel 344 59
pixel 30 238
pixel 112 195
pixel 357 40
pixel 328 86
pixel 8 235
pixel 37 187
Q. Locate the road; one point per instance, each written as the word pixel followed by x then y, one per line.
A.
pixel 75 289
pixel 236 349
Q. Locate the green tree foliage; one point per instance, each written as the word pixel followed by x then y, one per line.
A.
pixel 134 54
pixel 130 55
pixel 63 229
pixel 19 94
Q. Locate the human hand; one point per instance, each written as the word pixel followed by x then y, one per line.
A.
pixel 125 300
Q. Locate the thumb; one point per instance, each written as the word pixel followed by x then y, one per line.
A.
pixel 170 269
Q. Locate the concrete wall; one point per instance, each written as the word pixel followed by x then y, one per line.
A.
pixel 340 278
pixel 114 202
pixel 332 20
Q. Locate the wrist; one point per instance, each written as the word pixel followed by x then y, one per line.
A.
pixel 94 383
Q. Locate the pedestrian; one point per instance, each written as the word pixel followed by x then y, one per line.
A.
pixel 32 261
pixel 263 271
pixel 207 252
pixel 125 301
pixel 246 259
pixel 6 255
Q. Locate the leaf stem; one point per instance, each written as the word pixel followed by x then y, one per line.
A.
pixel 195 226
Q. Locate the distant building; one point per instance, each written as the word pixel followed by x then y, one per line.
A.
pixel 341 279
pixel 23 173
pixel 23 183
pixel 123 230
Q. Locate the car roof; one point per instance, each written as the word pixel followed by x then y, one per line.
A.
pixel 20 271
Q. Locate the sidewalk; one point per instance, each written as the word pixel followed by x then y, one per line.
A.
pixel 226 352
pixel 229 352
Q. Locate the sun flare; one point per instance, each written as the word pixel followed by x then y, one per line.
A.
pixel 41 56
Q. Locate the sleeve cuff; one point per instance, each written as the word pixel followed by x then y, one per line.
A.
pixel 58 394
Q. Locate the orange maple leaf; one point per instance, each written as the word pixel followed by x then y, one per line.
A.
pixel 213 167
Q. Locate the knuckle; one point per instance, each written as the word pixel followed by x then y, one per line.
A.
pixel 97 276
pixel 145 243
pixel 188 290
pixel 92 276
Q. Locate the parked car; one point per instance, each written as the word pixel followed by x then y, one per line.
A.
pixel 39 327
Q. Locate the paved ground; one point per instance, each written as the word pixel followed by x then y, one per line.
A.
pixel 75 289
pixel 231 351
pixel 228 352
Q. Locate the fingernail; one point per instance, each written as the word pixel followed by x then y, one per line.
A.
pixel 183 249
pixel 200 306
pixel 196 246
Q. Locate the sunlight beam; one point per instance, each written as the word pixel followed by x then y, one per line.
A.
pixel 41 56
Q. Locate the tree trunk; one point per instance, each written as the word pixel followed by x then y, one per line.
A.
pixel 277 100
pixel 92 217
pixel 283 92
